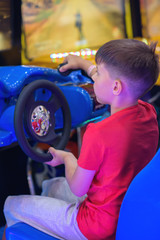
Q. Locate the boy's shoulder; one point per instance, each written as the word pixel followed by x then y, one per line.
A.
pixel 147 105
pixel 120 119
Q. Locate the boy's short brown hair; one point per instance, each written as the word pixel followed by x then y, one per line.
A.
pixel 132 60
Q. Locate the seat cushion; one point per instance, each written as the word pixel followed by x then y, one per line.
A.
pixel 22 231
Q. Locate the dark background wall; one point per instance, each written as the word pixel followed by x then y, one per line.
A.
pixel 13 55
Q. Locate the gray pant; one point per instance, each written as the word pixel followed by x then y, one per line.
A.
pixel 54 212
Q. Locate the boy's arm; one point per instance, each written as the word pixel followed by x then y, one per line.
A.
pixel 76 62
pixel 79 179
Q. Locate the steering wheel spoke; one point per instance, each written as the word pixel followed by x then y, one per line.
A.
pixel 54 103
pixel 53 140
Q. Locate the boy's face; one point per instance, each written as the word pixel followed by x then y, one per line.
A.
pixel 103 84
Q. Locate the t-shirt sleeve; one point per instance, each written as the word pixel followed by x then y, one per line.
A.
pixel 92 150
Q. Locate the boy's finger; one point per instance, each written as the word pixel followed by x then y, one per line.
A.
pixel 51 150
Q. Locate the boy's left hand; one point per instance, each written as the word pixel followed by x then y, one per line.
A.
pixel 58 157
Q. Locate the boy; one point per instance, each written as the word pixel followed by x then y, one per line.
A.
pixel 113 150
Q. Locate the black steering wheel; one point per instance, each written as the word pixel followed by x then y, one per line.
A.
pixel 35 119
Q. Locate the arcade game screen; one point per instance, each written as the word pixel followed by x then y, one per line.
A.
pixel 5 25
pixel 60 26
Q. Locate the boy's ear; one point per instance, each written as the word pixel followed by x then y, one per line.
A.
pixel 117 87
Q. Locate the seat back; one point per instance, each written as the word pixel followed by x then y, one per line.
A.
pixel 139 217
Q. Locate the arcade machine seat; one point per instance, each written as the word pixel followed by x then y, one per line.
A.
pixel 139 214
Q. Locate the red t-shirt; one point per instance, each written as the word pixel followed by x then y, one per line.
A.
pixel 117 148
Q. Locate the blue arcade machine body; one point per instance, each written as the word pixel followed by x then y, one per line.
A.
pixel 76 88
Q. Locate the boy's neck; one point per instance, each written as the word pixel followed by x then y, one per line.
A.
pixel 115 109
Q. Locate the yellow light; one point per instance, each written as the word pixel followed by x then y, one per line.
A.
pixel 82 52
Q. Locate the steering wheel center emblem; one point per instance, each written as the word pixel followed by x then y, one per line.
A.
pixel 40 120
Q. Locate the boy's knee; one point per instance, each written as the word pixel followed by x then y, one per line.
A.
pixel 7 203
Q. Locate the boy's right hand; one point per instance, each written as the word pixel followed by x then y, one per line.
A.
pixel 75 62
